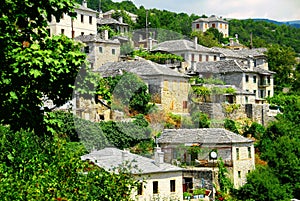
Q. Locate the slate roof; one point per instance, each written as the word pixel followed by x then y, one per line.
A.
pixel 227 66
pixel 95 38
pixel 209 136
pixel 243 53
pixel 140 67
pixel 105 21
pixel 212 18
pixel 109 158
pixel 181 45
pixel 81 7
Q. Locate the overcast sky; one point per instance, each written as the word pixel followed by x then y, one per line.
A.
pixel 280 10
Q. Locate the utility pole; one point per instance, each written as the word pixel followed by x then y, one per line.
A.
pixel 147 29
pixel 251 42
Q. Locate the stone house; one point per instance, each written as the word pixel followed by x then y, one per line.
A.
pixel 168 88
pixel 159 180
pixel 100 50
pixel 117 25
pixel 191 51
pixel 236 151
pixel 245 76
pixel 202 24
pixel 109 14
pixel 84 24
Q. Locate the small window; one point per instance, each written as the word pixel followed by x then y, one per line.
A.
pixel 215 58
pixel 261 93
pixel 193 57
pixel 213 25
pixel 62 31
pixel 197 26
pixel 247 78
pixel 184 104
pixel 90 19
pixel 225 26
pixel 207 57
pixel 269 80
pixel 100 49
pixel 254 91
pixel 113 51
pixel 200 57
pixel 249 152
pixel 82 18
pixel 140 188
pixel 254 79
pixel 221 26
pixel 239 174
pixel 82 33
pixel 172 185
pixel 155 187
pixel 237 154
pixel 87 49
pixel 269 93
pixel 246 99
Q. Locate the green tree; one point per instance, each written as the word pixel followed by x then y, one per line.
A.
pixel 200 120
pixel 206 39
pixel 262 184
pixel 34 66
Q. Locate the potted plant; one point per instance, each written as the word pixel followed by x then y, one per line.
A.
pixel 187 195
pixel 199 192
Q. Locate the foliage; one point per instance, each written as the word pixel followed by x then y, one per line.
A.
pixel 230 108
pixel 231 126
pixel 198 80
pixel 131 92
pixel 282 60
pixel 173 121
pixel 223 178
pixel 265 33
pixel 200 120
pixel 111 32
pixel 256 130
pixel 262 184
pixel 206 39
pixel 124 134
pixel 35 168
pixel 161 58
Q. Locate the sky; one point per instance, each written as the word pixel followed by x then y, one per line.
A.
pixel 279 10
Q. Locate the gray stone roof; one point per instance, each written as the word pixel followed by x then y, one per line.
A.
pixel 243 53
pixel 181 45
pixel 141 67
pixel 81 7
pixel 205 136
pixel 106 21
pixel 95 38
pixel 227 66
pixel 212 18
pixel 109 158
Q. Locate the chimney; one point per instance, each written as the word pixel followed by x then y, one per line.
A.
pixel 150 43
pixel 105 34
pixel 121 19
pixel 158 156
pixel 196 42
pixel 125 154
pixel 84 3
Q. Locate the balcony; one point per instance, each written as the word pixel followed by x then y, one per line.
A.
pixel 264 83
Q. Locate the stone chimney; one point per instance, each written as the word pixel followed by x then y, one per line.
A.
pixel 250 62
pixel 158 156
pixel 105 34
pixel 125 154
pixel 196 42
pixel 150 42
pixel 121 19
pixel 84 3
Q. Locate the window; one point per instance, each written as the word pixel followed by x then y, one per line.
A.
pixel 113 51
pixel 197 26
pixel 90 19
pixel 87 49
pixel 205 26
pixel 155 187
pixel 213 25
pixel 215 58
pixel 200 57
pixel 100 49
pixel 193 57
pixel 237 154
pixel 254 79
pixel 62 31
pixel 140 188
pixel 246 99
pixel 82 33
pixel 254 91
pixel 239 174
pixel 207 57
pixel 225 26
pixel 269 93
pixel 269 80
pixel 249 152
pixel 247 78
pixel 172 185
pixel 184 104
pixel 82 18
pixel 261 93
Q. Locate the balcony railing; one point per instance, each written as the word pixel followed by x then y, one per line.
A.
pixel 263 83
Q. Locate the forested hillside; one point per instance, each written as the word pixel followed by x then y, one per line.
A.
pixel 263 33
